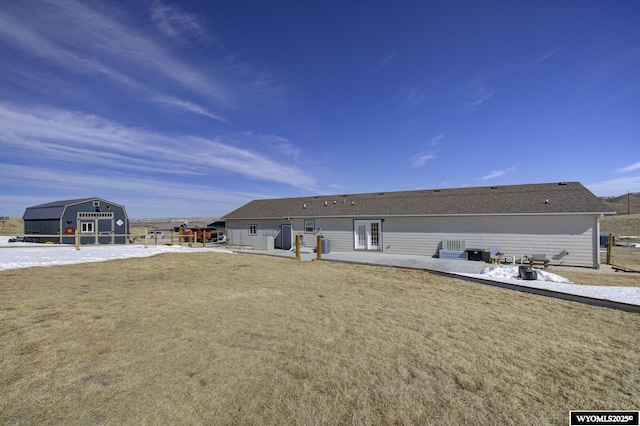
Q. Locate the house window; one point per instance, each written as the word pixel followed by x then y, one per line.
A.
pixel 86 227
pixel 309 226
pixel 253 229
pixel 96 203
pixel 375 234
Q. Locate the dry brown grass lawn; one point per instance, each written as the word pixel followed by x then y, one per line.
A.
pixel 209 338
pixel 628 257
pixel 602 277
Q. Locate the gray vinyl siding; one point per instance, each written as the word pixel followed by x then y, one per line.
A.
pixel 339 232
pixel 238 232
pixel 513 235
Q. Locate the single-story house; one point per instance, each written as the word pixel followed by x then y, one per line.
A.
pixel 99 222
pixel 560 220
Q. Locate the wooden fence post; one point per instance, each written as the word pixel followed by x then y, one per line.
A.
pixel 609 244
pixel 77 239
pixel 297 247
pixel 319 247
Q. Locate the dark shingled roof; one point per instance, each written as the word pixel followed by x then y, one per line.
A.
pixel 544 198
pixel 54 209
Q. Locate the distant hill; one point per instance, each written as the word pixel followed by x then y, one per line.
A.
pixel 170 223
pixel 12 226
pixel 621 225
pixel 623 204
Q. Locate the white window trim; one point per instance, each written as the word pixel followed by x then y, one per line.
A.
pixel 308 222
pixel 86 227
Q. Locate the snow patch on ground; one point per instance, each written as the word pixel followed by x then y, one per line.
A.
pixel 511 272
pixel 548 281
pixel 25 255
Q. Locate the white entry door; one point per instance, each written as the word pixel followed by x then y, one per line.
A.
pixel 367 234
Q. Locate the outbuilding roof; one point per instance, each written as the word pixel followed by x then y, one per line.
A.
pixel 543 198
pixel 54 209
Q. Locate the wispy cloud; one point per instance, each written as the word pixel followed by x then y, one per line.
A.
pixel 615 187
pixel 174 23
pixel 386 60
pixel 421 158
pixel 263 82
pixel 43 47
pixel 81 41
pixel 548 55
pixel 437 140
pixel 147 194
pixel 276 143
pixel 630 168
pixel 497 173
pixel 480 94
pixel 258 81
pixel 415 95
pixel 186 106
pixel 76 140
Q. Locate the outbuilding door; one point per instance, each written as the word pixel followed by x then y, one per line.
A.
pixel 285 237
pixel 96 228
pixel 367 234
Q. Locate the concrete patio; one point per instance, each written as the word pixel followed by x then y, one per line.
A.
pixel 381 258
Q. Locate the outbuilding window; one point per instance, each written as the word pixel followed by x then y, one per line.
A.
pixel 86 227
pixel 253 229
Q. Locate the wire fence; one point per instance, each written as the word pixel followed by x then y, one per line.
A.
pixel 78 238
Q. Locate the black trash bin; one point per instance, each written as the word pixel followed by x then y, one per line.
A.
pixel 475 254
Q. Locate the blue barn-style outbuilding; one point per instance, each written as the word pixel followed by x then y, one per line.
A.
pixel 99 222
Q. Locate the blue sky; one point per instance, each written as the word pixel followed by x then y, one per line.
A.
pixel 194 108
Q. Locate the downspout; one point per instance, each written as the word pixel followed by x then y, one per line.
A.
pixel 596 243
